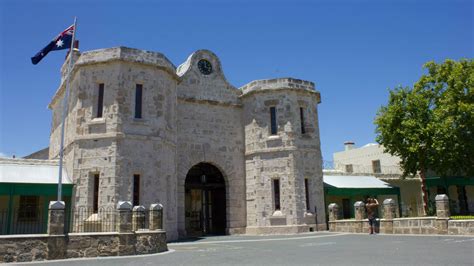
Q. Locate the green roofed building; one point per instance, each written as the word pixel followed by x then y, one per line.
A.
pixel 460 190
pixel 26 188
pixel 345 190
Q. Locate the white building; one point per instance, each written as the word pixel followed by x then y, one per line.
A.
pixel 371 159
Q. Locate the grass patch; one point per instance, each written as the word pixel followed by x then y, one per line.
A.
pixel 462 217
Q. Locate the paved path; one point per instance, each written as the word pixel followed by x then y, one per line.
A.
pixel 305 249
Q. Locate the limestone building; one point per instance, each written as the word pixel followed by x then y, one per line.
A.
pixel 220 159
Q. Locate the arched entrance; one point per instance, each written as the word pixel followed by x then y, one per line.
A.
pixel 205 201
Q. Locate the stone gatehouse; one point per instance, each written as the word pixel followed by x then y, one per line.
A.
pixel 220 159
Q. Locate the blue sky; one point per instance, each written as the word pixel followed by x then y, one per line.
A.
pixel 353 50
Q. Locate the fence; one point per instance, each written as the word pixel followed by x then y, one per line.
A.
pixel 79 220
pixel 82 220
pixel 23 221
pixel 141 229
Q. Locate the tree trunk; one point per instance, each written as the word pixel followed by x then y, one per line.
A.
pixel 424 190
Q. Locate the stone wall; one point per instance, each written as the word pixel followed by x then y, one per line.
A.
pixel 440 224
pixel 290 156
pixel 461 227
pixel 56 245
pixel 210 131
pixel 189 117
pixel 21 248
pixel 117 145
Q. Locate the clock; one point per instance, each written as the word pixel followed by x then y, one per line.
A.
pixel 205 67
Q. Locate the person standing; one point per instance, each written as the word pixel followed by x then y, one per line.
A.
pixel 371 206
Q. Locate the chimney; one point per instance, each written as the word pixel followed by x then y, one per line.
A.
pixel 348 145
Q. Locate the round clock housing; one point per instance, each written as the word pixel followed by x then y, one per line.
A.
pixel 205 67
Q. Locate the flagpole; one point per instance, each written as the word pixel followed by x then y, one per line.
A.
pixel 65 109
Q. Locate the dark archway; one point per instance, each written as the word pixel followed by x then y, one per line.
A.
pixel 205 201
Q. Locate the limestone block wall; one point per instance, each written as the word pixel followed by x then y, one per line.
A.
pixel 210 130
pixel 213 87
pixel 86 159
pixel 440 224
pixel 118 145
pixel 23 248
pixel 461 227
pixel 289 155
pixel 155 162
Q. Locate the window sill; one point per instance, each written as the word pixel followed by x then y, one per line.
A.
pixel 274 137
pixel 96 121
pixel 139 121
pixel 277 213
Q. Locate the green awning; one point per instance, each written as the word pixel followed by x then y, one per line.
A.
pixel 357 186
pixel 449 181
pixel 34 189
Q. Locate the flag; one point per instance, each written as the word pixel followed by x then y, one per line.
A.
pixel 60 42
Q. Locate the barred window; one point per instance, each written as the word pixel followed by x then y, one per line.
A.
pixel 376 168
pixel 28 211
pixel 349 168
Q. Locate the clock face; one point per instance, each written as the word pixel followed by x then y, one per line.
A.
pixel 205 67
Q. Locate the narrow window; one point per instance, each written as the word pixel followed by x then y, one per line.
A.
pixel 349 168
pixel 303 129
pixel 138 101
pixel 136 190
pixel 273 120
pixel 376 168
pixel 276 193
pixel 28 210
pixel 100 100
pixel 95 205
pixel 306 188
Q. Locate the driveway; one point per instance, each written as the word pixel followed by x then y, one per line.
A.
pixel 320 248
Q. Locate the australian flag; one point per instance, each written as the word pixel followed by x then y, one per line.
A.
pixel 60 42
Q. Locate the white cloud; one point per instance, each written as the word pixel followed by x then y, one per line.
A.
pixel 3 155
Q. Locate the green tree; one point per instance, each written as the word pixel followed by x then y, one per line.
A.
pixel 431 126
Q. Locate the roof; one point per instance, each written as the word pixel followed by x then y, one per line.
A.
pixel 42 154
pixel 349 181
pixel 31 171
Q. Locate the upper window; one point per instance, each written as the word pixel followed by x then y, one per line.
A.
pixel 349 168
pixel 376 168
pixel 100 101
pixel 273 123
pixel 303 129
pixel 138 100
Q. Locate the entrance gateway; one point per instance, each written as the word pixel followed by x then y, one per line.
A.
pixel 205 201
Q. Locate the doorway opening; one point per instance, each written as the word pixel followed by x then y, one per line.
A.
pixel 205 201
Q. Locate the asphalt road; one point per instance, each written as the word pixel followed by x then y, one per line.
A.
pixel 305 249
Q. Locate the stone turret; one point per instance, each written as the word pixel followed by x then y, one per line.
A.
pixel 282 154
pixel 121 127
